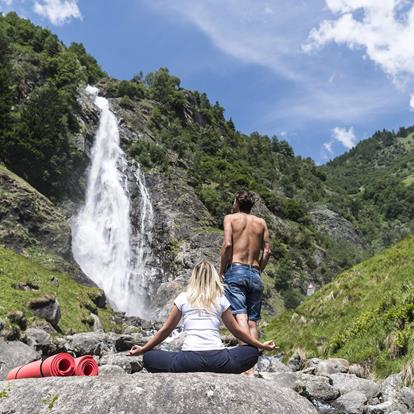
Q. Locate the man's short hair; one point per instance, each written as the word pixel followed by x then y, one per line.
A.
pixel 245 200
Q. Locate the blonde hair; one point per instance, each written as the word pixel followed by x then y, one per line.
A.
pixel 204 287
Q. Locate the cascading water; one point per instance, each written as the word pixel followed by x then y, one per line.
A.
pixel 102 241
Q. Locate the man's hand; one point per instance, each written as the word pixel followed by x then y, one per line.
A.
pixel 135 350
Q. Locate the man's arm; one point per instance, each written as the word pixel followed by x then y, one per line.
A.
pixel 266 249
pixel 226 253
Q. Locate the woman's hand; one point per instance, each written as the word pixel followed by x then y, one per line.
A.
pixel 268 346
pixel 135 350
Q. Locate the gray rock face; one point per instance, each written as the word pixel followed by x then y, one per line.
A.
pixel 87 343
pixel 334 225
pixel 130 364
pixel 329 366
pixel 271 364
pixel 13 354
pixel 151 394
pixel 352 402
pixel 348 382
pixel 315 388
pixel 111 371
pixel 39 340
pixel 48 308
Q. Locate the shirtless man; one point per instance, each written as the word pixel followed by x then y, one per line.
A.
pixel 244 255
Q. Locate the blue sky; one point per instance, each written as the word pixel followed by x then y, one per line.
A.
pixel 322 74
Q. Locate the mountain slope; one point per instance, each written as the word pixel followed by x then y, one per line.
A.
pixel 365 315
pixel 378 175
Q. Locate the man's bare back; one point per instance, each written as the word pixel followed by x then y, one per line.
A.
pixel 248 234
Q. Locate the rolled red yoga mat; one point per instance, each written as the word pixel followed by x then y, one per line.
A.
pixel 60 365
pixel 86 366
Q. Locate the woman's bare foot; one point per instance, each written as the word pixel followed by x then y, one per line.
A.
pixel 249 373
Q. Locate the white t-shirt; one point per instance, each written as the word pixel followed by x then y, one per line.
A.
pixel 201 327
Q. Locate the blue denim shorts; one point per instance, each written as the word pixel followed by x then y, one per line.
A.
pixel 244 290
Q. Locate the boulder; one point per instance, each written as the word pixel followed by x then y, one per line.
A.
pixel 297 361
pixel 280 379
pixel 315 388
pixel 46 307
pixel 197 393
pixel 391 386
pixel 352 402
pixel 130 364
pixel 39 340
pixel 111 371
pixel 271 364
pixel 346 383
pixel 329 366
pixel 87 343
pixel 13 354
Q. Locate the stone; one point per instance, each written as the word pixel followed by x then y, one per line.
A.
pixel 297 361
pixel 391 386
pixel 126 342
pixel 46 307
pixel 280 379
pixel 271 364
pixel 1 325
pixel 315 388
pixel 196 393
pixel 111 370
pixel 130 364
pixel 39 340
pixel 346 383
pixel 331 366
pixel 352 402
pixel 13 354
pixel 87 343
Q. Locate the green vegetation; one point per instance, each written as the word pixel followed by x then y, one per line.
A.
pixel 39 80
pixel 378 176
pixel 365 315
pixel 75 300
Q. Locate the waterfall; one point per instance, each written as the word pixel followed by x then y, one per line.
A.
pixel 102 238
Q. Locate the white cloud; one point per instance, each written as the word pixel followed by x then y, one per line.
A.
pixel 328 146
pixel 58 11
pixel 412 102
pixel 262 33
pixel 384 29
pixel 345 136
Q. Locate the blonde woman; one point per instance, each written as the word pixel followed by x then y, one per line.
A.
pixel 202 307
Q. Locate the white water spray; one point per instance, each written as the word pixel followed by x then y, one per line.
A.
pixel 101 232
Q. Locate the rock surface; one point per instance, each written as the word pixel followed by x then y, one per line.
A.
pixel 13 354
pixel 150 394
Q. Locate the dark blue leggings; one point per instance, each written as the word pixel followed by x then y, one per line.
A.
pixel 228 360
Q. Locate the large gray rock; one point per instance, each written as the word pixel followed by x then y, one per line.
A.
pixel 47 307
pixel 13 354
pixel 111 371
pixel 391 386
pixel 196 393
pixel 352 402
pixel 87 343
pixel 315 388
pixel 271 364
pixel 39 340
pixel 329 366
pixel 346 383
pixel 280 379
pixel 130 364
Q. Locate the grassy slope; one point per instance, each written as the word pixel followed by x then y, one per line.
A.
pixel 365 315
pixel 73 298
